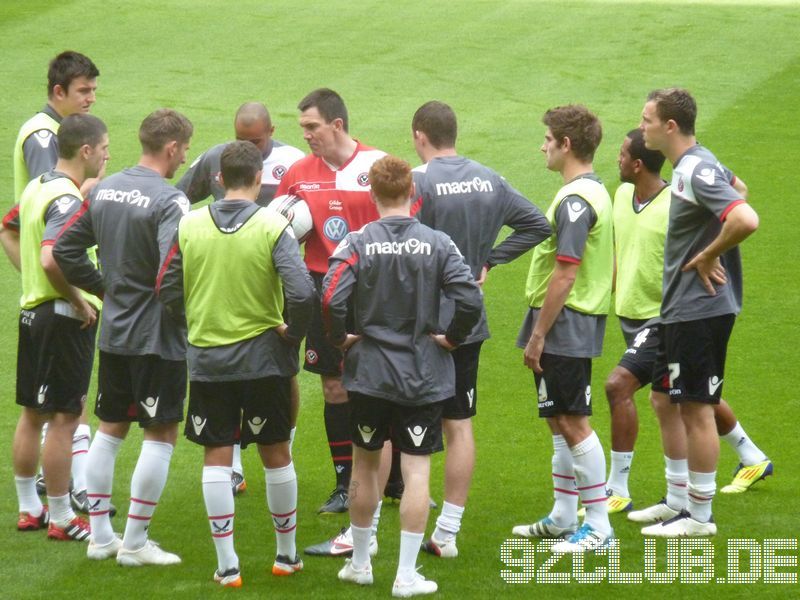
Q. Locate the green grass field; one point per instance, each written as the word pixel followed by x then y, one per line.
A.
pixel 500 65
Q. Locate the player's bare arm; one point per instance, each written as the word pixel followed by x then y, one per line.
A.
pixel 557 292
pixel 739 224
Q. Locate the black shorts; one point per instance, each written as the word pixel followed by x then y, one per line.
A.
pixel 412 429
pixel 147 389
pixel 564 388
pixel 642 357
pixel 464 404
pixel 222 413
pixel 54 360
pixel 321 357
pixel 696 352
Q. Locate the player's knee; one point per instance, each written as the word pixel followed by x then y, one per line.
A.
pixel 618 389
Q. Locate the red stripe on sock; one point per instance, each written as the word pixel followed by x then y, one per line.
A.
pixel 80 452
pixel 93 495
pixel 222 535
pixel 603 499
pixel 230 516
pixel 98 513
pixel 592 487
pixel 570 492
pixel 563 476
pixel 289 514
pixel 139 517
pixel 343 458
pixel 147 502
pixel 345 443
pixel 292 528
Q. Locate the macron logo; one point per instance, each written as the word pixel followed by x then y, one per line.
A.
pixel 256 424
pixel 366 432
pixel 471 397
pixel 575 210
pixel 198 424
pixel 713 385
pixel 150 406
pixel 410 246
pixel 417 433
pixel 464 187
pixel 133 197
pixel 706 175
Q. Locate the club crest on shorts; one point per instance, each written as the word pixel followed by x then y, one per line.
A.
pixel 311 357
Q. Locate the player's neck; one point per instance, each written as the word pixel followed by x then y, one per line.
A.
pixel 431 153
pixel 155 163
pixel 648 186
pixel 74 169
pixel 575 168
pixel 679 146
pixel 247 193
pixel 342 153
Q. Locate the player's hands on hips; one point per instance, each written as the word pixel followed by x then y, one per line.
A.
pixel 86 313
pixel 482 277
pixel 441 340
pixel 533 353
pixel 348 342
pixel 709 270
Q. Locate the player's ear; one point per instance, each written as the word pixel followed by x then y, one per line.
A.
pixel 566 143
pixel 59 91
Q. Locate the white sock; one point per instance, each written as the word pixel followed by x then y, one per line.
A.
pixel 565 492
pixel 220 510
pixel 147 484
pixel 60 509
pixel 29 501
pixel 80 453
pixel 291 437
pixel 590 475
pixel 409 549
pixel 99 479
pixel 448 523
pixel 41 444
pixel 237 459
pixel 677 474
pixel 376 517
pixel 361 537
pixel 702 487
pixel 749 453
pixel 282 502
pixel 619 473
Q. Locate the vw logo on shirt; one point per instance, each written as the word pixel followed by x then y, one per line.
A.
pixel 335 228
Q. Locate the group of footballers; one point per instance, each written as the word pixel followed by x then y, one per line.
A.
pixel 387 296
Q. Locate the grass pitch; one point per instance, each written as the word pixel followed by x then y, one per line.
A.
pixel 500 65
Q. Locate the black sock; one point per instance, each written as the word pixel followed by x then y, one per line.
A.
pixel 337 427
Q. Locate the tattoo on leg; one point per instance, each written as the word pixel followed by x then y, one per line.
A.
pixel 352 490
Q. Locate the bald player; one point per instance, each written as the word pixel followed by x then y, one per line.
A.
pixel 252 124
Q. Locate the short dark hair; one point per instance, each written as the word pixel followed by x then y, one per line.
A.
pixel 239 164
pixel 675 104
pixel 78 130
pixel 390 178
pixel 577 123
pixel 67 66
pixel 329 104
pixel 437 121
pixel 163 126
pixel 652 160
